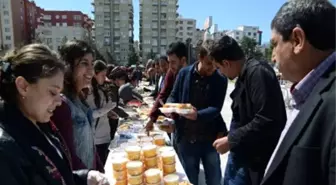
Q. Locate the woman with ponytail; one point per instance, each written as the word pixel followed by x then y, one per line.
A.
pixel 102 106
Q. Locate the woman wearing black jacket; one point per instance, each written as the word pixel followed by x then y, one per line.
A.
pixel 31 150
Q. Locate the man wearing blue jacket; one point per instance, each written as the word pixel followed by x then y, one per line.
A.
pixel 204 88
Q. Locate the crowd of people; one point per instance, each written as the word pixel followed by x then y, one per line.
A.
pixel 60 110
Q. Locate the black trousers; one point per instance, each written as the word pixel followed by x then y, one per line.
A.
pixel 113 127
pixel 103 151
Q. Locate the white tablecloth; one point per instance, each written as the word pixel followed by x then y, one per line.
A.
pixel 114 143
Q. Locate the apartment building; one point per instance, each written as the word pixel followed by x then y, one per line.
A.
pixel 248 31
pixel 56 27
pixel 114 28
pixel 198 36
pixel 12 23
pixel 136 46
pixel 186 29
pixel 22 21
pixel 157 26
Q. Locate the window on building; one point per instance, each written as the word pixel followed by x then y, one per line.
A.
pixel 7 29
pixel 190 28
pixel 237 38
pixel 57 16
pixel 107 33
pixel 57 24
pixel 5 12
pixel 106 41
pixel 6 21
pixel 254 34
pixel 7 46
pixel 77 17
pixel 47 32
pixel 49 40
pixel 8 38
pixel 64 16
pixel 47 17
pixel 154 42
pixel 249 33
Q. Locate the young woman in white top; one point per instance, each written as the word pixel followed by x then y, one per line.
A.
pixel 102 109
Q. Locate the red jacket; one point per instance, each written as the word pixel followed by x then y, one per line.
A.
pixel 168 85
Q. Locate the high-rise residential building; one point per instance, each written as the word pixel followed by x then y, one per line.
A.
pixel 186 29
pixel 157 26
pixel 198 36
pixel 136 46
pixel 114 28
pixel 248 31
pixel 23 22
pixel 56 27
pixel 16 20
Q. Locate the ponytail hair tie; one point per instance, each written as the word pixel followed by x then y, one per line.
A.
pixel 5 66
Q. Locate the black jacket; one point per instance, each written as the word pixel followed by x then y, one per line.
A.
pixel 27 158
pixel 259 115
pixel 306 155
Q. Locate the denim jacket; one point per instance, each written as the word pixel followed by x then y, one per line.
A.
pixel 82 131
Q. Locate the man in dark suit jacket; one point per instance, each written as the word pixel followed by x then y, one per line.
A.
pixel 204 88
pixel 258 113
pixel 304 47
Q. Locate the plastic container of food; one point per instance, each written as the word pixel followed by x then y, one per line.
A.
pixel 169 169
pixel 134 168
pixel 153 176
pixel 171 179
pixel 133 153
pixel 159 140
pixel 119 164
pixel 151 162
pixel 167 110
pixel 121 182
pixel 168 158
pixel 149 151
pixel 120 175
pixel 135 180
